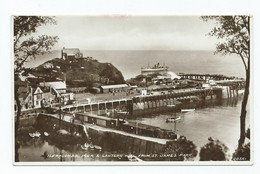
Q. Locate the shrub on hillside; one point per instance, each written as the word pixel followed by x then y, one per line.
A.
pixel 214 150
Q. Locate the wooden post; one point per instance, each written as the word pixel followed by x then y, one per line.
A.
pixel 227 92
pixel 98 108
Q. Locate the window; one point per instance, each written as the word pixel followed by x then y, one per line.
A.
pixel 39 96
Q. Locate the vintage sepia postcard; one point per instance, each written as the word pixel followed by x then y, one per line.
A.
pixel 132 90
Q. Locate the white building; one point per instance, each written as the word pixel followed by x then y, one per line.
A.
pixel 70 53
pixel 114 88
pixel 58 86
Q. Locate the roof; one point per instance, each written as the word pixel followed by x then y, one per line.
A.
pixel 57 85
pixel 54 90
pixel 70 51
pixel 114 86
pixel 38 91
pixel 41 89
pixel 45 89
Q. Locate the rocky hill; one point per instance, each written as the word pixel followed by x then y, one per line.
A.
pixel 81 72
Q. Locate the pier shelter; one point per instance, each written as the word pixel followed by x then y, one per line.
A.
pixel 114 88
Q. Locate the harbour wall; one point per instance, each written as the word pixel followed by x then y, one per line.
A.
pixel 108 140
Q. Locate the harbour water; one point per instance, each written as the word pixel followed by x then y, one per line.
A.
pixel 219 120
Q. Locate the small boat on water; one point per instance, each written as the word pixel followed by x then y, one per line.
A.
pixel 35 135
pixel 173 119
pixel 86 145
pixel 171 106
pixel 83 147
pixel 91 146
pixel 97 147
pixel 77 134
pixel 46 134
pixel 31 135
pixel 188 110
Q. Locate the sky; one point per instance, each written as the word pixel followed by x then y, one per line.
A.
pixel 128 32
pixel 125 32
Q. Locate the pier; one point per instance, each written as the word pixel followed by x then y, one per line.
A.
pixel 168 97
pixel 150 101
pixel 194 76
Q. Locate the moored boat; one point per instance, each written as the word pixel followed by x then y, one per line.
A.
pixel 97 147
pixel 83 147
pixel 35 135
pixel 86 145
pixel 91 146
pixel 173 119
pixel 171 106
pixel 31 135
pixel 188 110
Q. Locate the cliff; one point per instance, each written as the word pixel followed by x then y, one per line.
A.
pixel 81 72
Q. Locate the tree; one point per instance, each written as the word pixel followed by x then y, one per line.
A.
pixel 234 33
pixel 182 148
pixel 242 154
pixel 214 150
pixel 25 48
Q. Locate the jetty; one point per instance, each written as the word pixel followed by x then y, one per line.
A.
pixel 152 101
pixel 195 76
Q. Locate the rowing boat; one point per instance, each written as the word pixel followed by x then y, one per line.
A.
pixel 188 110
pixel 173 119
pixel 171 106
